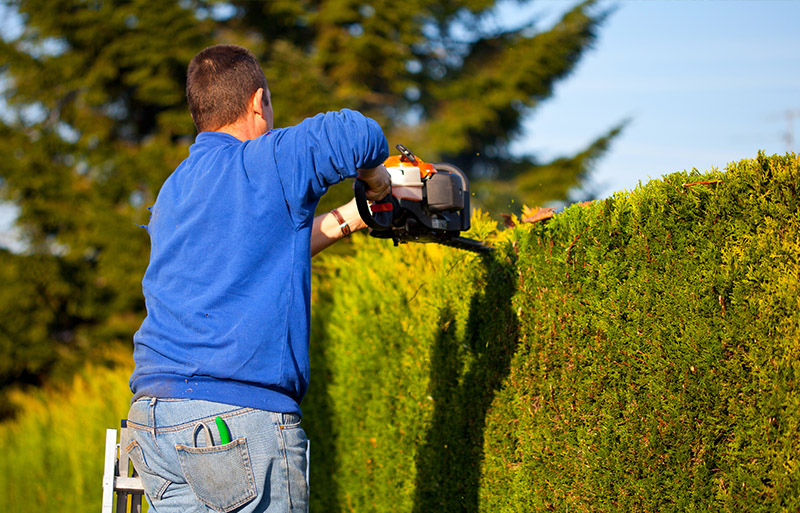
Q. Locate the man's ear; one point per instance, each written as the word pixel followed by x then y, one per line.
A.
pixel 256 101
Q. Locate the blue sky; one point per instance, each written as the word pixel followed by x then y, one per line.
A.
pixel 704 82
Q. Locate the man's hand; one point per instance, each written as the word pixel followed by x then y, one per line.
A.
pixel 378 181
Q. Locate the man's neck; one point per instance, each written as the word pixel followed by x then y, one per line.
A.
pixel 241 131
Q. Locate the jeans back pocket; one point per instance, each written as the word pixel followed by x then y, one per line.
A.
pixel 220 476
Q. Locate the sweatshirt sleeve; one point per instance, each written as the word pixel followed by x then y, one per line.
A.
pixel 320 152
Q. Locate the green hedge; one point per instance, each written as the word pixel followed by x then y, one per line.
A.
pixel 636 354
pixel 409 345
pixel 51 454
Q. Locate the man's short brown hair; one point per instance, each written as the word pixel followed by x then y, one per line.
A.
pixel 219 84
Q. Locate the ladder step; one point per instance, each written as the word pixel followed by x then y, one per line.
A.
pixel 116 481
pixel 129 484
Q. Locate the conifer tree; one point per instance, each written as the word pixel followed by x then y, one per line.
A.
pixel 439 76
pixel 94 119
pixel 94 122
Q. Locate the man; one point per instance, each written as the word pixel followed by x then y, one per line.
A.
pixel 222 356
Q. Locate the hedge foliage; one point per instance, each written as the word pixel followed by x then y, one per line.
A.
pixel 658 362
pixel 636 354
pixel 51 454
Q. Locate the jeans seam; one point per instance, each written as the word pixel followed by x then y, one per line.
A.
pixel 160 492
pixel 146 468
pixel 179 427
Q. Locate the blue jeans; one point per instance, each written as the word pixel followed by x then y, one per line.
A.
pixel 176 450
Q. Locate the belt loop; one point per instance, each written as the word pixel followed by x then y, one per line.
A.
pixel 153 401
pixel 152 425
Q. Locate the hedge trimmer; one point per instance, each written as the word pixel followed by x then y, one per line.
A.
pixel 428 203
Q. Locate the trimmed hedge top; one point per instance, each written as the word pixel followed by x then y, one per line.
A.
pixel 636 354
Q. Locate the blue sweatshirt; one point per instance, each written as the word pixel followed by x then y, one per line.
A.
pixel 228 284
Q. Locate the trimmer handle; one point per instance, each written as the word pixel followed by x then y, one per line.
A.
pixel 378 216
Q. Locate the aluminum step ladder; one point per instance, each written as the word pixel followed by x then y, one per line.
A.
pixel 119 477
